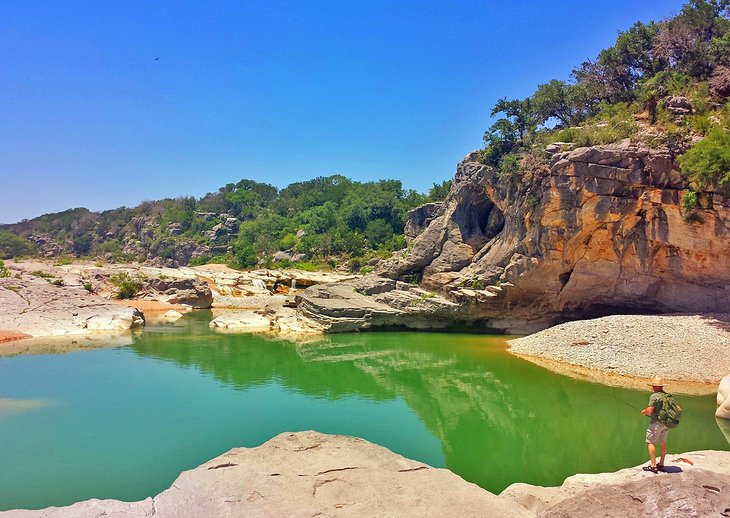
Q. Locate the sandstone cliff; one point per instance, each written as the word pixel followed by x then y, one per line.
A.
pixel 598 230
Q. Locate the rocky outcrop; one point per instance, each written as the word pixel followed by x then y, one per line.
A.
pixel 695 484
pixel 306 474
pixel 192 292
pixel 419 218
pixel 723 398
pixel 599 230
pixel 243 321
pixel 375 302
pixel 313 474
pixel 38 308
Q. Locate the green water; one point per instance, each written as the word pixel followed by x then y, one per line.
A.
pixel 123 422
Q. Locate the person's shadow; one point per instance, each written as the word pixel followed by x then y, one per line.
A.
pixel 672 469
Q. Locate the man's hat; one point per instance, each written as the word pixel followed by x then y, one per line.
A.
pixel 656 382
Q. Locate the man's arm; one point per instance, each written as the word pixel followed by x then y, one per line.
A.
pixel 648 410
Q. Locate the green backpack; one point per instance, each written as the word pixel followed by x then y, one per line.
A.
pixel 670 413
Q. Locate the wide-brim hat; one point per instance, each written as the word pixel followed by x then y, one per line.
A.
pixel 656 382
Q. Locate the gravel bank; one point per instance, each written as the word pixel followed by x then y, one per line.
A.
pixel 688 349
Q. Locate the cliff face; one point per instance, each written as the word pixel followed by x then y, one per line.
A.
pixel 599 230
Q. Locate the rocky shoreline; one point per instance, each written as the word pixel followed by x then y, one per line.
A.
pixel 691 352
pixel 43 300
pixel 314 474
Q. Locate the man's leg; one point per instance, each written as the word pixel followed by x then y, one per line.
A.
pixel 652 453
pixel 664 453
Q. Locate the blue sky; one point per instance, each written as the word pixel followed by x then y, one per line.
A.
pixel 276 91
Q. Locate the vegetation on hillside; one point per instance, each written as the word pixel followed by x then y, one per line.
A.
pixel 626 86
pixel 324 220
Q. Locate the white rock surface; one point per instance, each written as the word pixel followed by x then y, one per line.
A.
pixel 172 315
pixel 241 321
pixel 38 308
pixel 306 474
pixel 723 398
pixel 313 474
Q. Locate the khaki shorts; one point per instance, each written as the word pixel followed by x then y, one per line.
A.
pixel 656 433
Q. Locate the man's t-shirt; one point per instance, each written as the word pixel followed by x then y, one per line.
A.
pixel 655 401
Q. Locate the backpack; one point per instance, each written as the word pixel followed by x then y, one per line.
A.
pixel 670 413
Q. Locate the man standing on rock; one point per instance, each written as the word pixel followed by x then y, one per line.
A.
pixel 657 431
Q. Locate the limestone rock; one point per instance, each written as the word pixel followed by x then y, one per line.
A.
pixel 241 321
pixel 695 484
pixel 678 105
pixel 373 301
pixel 192 292
pixel 38 308
pixel 723 398
pixel 313 474
pixel 601 230
pixel 419 218
pixel 306 474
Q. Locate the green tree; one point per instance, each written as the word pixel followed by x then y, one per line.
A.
pixel 13 245
pixel 708 161
pixel 510 132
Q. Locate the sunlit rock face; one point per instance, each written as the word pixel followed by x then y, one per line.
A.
pixel 596 230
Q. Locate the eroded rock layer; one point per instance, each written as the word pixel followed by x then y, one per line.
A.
pixel 600 230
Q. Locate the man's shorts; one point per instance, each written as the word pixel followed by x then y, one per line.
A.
pixel 656 433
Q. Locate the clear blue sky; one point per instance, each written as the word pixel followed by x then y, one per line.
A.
pixel 270 90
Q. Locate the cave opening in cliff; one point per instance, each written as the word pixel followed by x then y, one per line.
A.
pixel 479 221
pixel 564 278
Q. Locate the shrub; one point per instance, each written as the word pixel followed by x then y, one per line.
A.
pixel 367 269
pixel 509 167
pixel 4 272
pixel 87 287
pixel 13 245
pixel 689 201
pixel 708 161
pixel 126 286
pixel 64 260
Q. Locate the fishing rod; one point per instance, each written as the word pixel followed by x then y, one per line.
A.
pixel 627 404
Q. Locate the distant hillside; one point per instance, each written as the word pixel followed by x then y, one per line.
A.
pixel 244 224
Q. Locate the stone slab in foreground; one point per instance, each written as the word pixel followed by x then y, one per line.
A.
pixel 313 474
pixel 306 474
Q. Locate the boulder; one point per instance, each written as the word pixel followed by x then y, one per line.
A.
pixel 695 484
pixel 723 398
pixel 192 292
pixel 678 105
pixel 241 321
pixel 419 218
pixel 313 474
pixel 38 308
pixel 371 302
pixel 306 474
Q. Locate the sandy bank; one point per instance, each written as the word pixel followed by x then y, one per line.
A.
pixel 691 351
pixel 152 306
pixel 11 336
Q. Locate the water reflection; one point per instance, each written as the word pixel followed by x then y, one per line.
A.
pixel 498 419
pixel 16 406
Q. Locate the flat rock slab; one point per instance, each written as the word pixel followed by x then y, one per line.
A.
pixel 241 321
pixel 694 484
pixel 38 308
pixel 306 474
